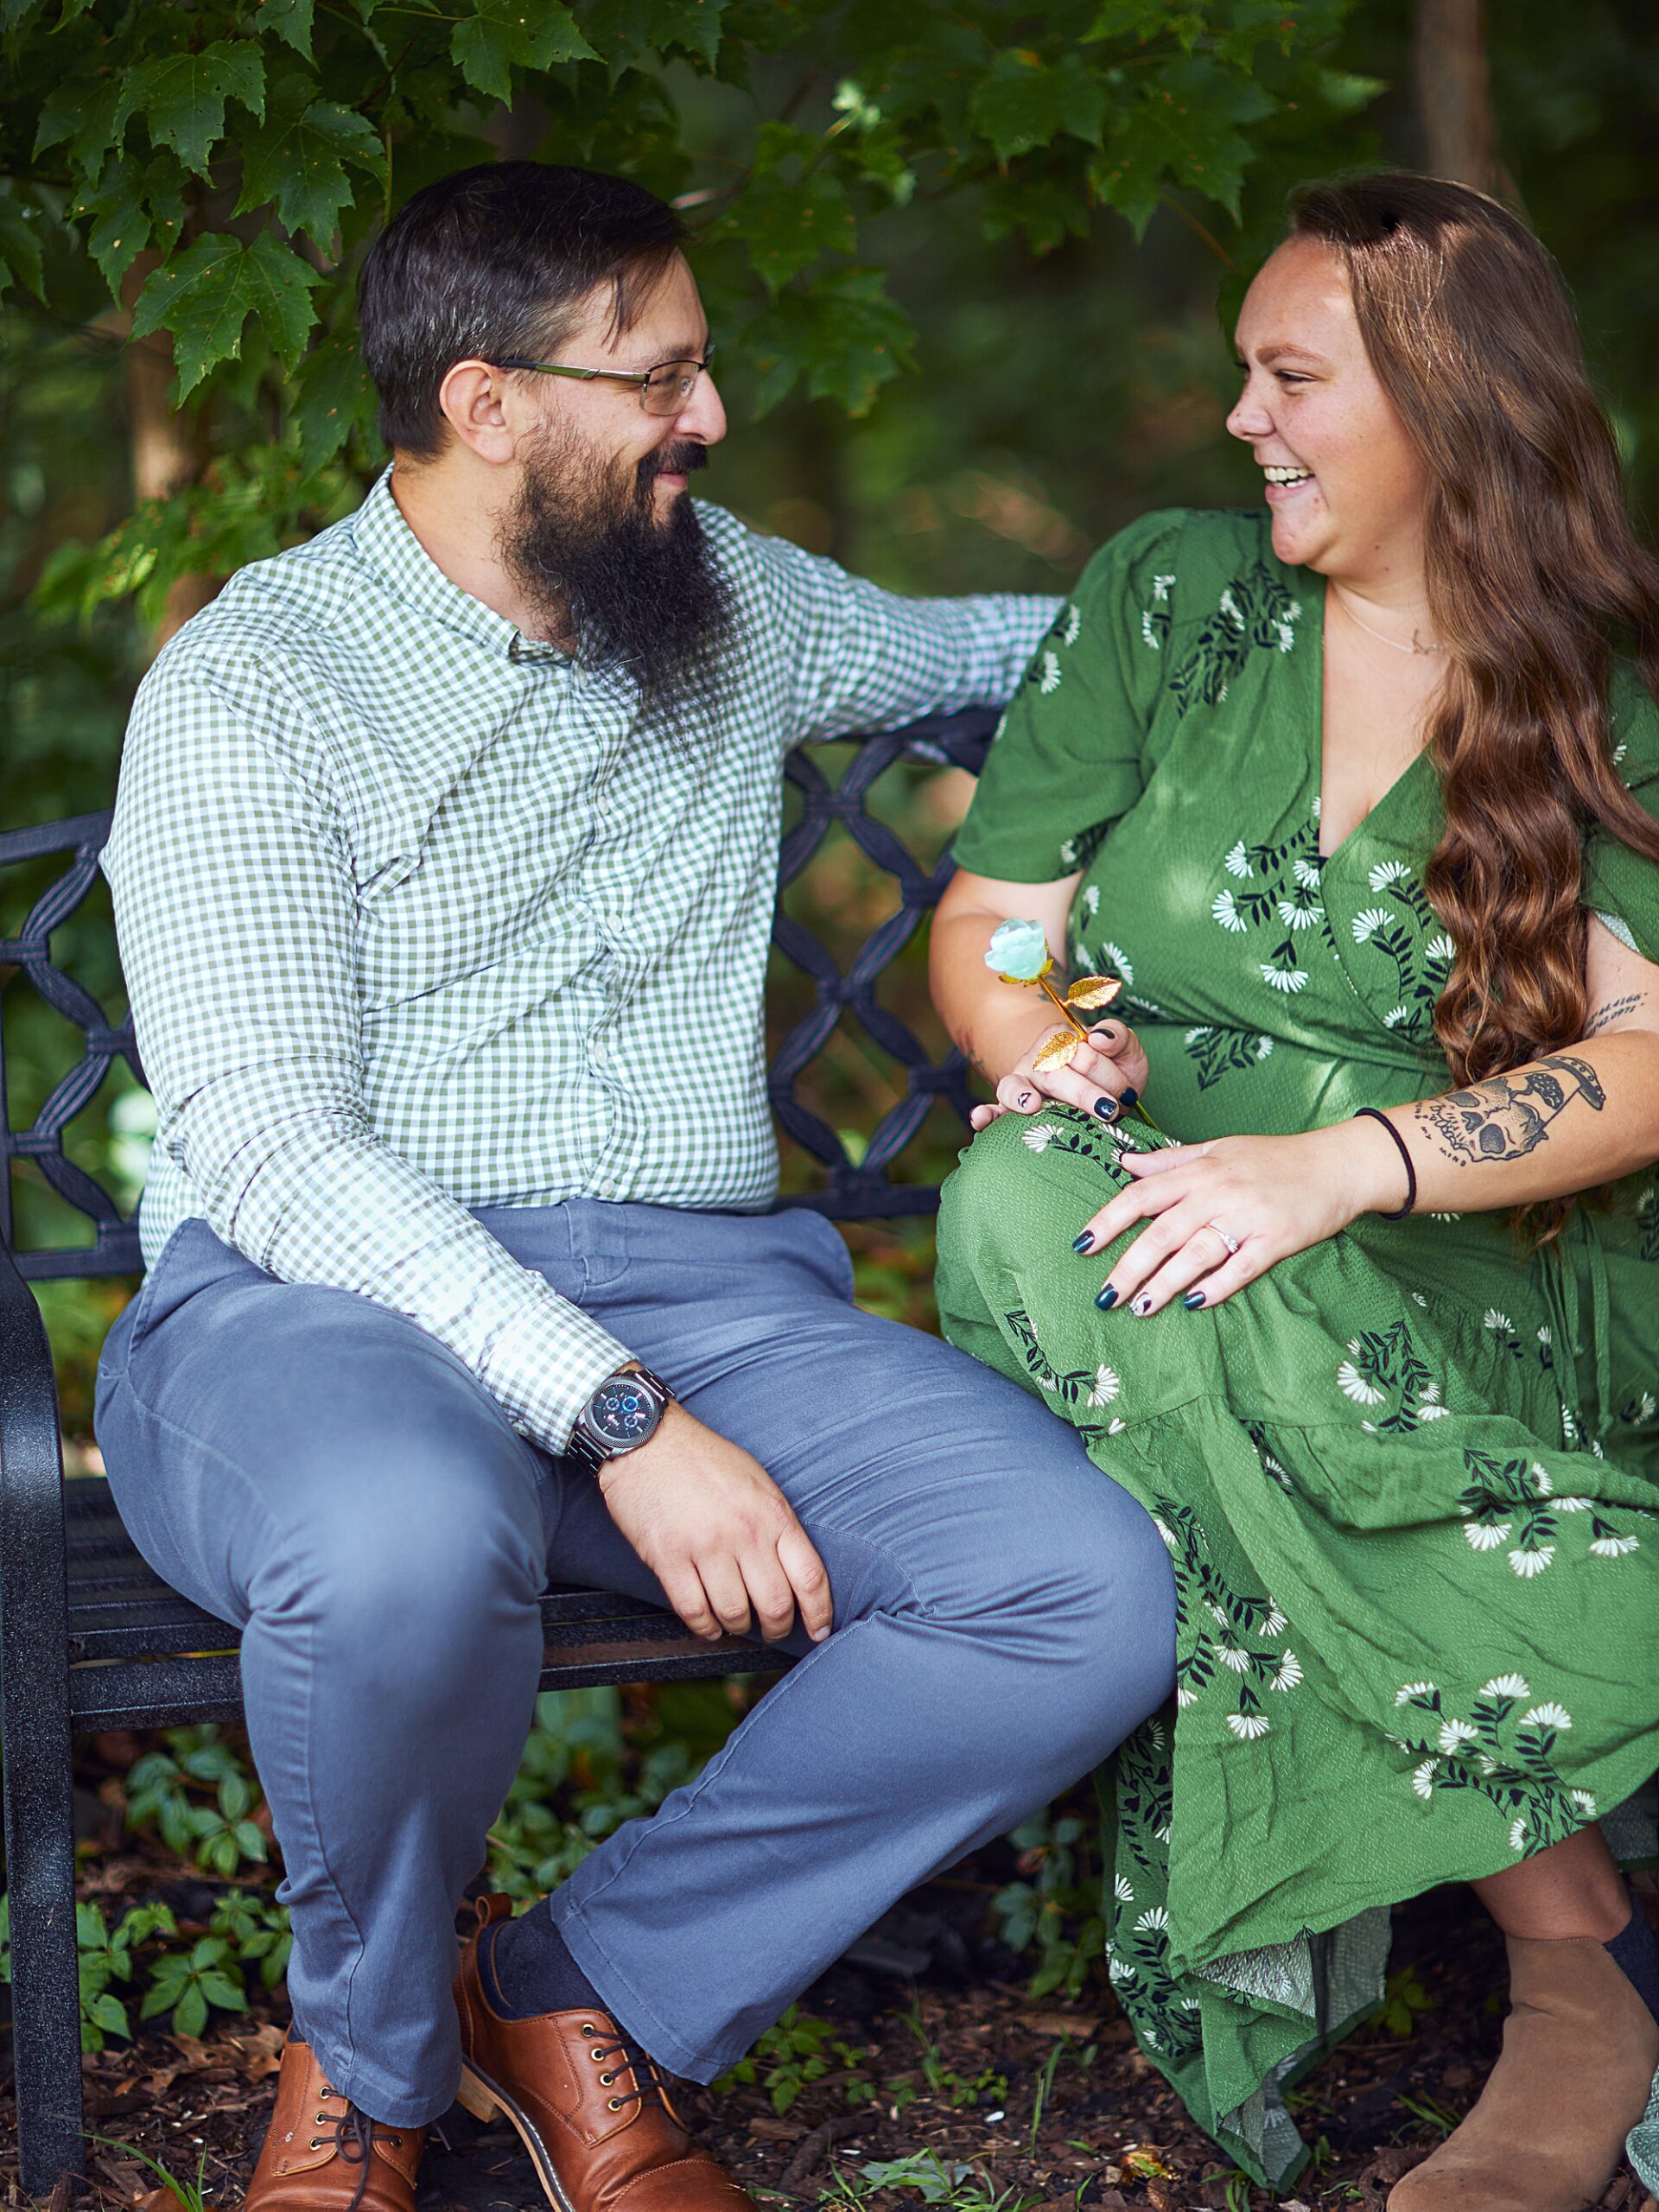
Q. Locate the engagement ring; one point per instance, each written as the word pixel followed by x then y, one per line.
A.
pixel 1232 1242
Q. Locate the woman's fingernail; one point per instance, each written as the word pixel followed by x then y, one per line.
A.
pixel 1193 1297
pixel 1025 1098
pixel 1107 1108
pixel 1082 1243
pixel 1105 1296
pixel 1142 1304
pixel 1130 1098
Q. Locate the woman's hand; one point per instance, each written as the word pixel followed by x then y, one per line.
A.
pixel 1106 1075
pixel 1272 1196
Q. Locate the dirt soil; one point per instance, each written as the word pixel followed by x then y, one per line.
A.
pixel 957 2055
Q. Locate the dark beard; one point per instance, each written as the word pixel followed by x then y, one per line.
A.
pixel 624 590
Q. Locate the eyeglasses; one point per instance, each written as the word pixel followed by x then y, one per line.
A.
pixel 663 391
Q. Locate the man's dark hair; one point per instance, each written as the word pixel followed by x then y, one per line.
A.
pixel 493 261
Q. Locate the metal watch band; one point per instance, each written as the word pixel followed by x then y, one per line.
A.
pixel 593 1451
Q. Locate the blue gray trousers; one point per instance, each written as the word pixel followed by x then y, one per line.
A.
pixel 323 1472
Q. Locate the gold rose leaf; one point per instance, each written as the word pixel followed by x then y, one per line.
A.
pixel 1090 991
pixel 1059 1052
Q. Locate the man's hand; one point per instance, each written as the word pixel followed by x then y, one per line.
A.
pixel 718 1534
pixel 1110 1067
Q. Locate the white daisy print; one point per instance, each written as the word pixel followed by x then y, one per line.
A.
pixel 1289 1674
pixel 1489 1536
pixel 1224 909
pixel 1387 872
pixel 1547 1715
pixel 1283 979
pixel 1050 679
pixel 1369 921
pixel 1422 1777
pixel 1073 624
pixel 1507 1686
pixel 1454 1734
pixel 1408 1693
pixel 1107 1386
pixel 1236 863
pixel 1040 1138
pixel 1614 1547
pixel 1120 961
pixel 1529 1564
pixel 1247 1726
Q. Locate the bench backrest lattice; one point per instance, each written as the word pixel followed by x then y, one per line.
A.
pixel 90 1638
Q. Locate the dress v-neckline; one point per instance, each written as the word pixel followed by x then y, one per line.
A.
pixel 1316 767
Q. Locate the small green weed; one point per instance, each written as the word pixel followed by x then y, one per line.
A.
pixel 1432 2114
pixel 952 2185
pixel 799 2050
pixel 198 1796
pixel 1403 1998
pixel 191 2194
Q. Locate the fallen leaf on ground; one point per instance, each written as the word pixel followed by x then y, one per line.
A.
pixel 1058 2024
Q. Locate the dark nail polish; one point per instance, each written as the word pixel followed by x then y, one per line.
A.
pixel 1193 1297
pixel 1130 1098
pixel 1082 1243
pixel 1105 1296
pixel 1107 1108
pixel 1141 1306
pixel 1025 1098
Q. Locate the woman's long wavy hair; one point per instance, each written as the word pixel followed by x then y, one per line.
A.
pixel 1535 577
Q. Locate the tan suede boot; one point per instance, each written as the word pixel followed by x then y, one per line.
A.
pixel 1579 2052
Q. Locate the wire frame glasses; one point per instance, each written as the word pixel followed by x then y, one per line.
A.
pixel 664 390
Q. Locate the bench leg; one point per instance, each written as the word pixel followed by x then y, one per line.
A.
pixel 45 1981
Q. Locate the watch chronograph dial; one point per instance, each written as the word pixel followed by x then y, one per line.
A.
pixel 623 1413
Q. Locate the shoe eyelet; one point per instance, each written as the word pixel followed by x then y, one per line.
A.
pixel 316 2142
pixel 588 2028
pixel 615 2104
pixel 321 2119
pixel 605 2080
pixel 397 2142
pixel 597 2054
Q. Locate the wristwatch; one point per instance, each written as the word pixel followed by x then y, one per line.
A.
pixel 621 1417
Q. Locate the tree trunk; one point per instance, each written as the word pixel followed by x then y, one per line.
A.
pixel 168 448
pixel 1454 107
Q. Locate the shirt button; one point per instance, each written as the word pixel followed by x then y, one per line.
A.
pixel 596 1052
pixel 606 1188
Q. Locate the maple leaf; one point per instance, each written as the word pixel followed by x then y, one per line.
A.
pixel 205 296
pixel 181 96
pixel 501 33
pixel 295 159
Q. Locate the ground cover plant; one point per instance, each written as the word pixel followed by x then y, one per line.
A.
pixel 966 2053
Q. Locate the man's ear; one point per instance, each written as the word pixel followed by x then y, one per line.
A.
pixel 473 399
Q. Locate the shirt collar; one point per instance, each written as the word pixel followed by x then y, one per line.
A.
pixel 386 541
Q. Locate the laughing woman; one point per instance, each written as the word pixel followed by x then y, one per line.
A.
pixel 1356 798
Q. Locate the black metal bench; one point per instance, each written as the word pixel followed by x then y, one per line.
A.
pixel 90 1639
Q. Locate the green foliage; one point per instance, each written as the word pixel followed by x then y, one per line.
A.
pixel 198 1795
pixel 186 1983
pixel 1055 1909
pixel 1403 1998
pixel 796 2051
pixel 239 161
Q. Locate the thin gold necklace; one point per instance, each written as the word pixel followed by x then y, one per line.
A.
pixel 1415 646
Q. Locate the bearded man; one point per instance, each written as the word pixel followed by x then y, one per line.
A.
pixel 443 862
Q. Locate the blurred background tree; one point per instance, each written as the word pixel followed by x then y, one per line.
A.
pixel 963 264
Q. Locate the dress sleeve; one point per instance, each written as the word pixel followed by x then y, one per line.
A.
pixel 1067 758
pixel 1620 886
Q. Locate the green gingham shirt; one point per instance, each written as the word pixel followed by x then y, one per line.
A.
pixel 416 916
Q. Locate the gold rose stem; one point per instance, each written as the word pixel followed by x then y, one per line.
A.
pixel 1046 985
pixel 1060 1003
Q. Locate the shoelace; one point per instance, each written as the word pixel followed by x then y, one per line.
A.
pixel 353 2141
pixel 650 2086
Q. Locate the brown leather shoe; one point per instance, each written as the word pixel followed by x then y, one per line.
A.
pixel 323 2155
pixel 1546 2133
pixel 592 2109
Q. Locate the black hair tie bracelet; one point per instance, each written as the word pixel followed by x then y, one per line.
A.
pixel 1399 1212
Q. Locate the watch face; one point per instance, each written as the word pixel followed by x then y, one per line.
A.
pixel 623 1412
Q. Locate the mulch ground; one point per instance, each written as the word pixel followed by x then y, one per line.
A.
pixel 1048 2101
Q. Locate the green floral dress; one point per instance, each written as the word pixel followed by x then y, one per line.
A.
pixel 1408 1477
